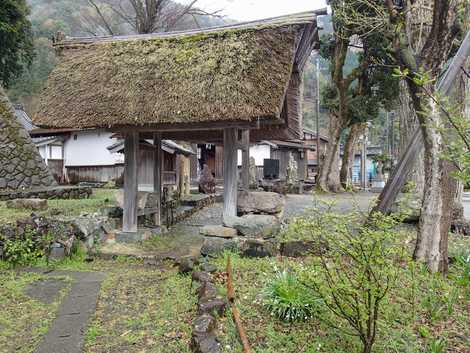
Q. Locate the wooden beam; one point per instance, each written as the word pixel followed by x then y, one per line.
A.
pixel 157 176
pixel 206 126
pixel 230 173
pixel 131 150
pixel 416 144
pixel 245 159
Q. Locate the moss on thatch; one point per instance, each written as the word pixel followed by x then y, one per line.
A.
pixel 231 75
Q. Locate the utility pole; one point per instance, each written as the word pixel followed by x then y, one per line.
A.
pixel 317 105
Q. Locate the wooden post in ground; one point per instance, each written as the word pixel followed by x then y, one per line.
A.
pixel 131 150
pixel 245 160
pixel 230 172
pixel 157 177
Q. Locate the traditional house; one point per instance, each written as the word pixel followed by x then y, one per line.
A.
pixel 232 84
pixel 278 150
pixel 310 138
pixel 171 162
pixel 75 156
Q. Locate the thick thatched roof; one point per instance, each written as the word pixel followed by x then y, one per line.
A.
pixel 239 73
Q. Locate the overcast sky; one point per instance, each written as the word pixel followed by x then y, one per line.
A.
pixel 245 10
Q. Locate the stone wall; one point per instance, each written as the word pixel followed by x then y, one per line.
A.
pixel 58 192
pixel 21 165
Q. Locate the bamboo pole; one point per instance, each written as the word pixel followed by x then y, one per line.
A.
pixel 235 312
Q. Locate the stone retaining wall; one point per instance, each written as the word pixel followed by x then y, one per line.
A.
pixel 21 165
pixel 59 192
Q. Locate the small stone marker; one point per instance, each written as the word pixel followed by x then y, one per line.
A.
pixel 30 204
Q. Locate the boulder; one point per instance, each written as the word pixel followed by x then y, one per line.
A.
pixel 461 226
pixel 260 202
pixel 186 264
pixel 254 226
pixel 218 231
pixel 297 248
pixel 204 324
pixel 207 291
pixel 91 229
pixel 215 306
pixel 213 246
pixel 30 204
pixel 205 344
pixel 258 248
pixel 201 277
pixel 207 267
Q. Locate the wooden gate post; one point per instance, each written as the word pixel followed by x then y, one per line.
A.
pixel 131 150
pixel 230 172
pixel 246 159
pixel 157 177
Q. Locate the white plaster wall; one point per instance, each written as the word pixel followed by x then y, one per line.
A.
pixel 56 152
pixel 89 148
pixel 43 152
pixel 258 152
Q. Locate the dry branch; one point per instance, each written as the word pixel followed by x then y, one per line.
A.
pixel 235 312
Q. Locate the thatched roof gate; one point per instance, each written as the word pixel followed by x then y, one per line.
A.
pixel 201 85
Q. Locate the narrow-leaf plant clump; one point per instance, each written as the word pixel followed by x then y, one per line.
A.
pixel 289 299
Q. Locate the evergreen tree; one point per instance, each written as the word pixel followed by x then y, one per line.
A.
pixel 16 38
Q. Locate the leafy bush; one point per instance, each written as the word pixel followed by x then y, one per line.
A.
pixel 21 251
pixel 356 270
pixel 288 299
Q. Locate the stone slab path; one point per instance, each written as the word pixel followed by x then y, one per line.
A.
pixel 67 332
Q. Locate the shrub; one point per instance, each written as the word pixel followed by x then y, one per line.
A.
pixel 288 299
pixel 357 269
pixel 22 251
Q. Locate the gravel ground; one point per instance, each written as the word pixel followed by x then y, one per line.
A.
pixel 295 205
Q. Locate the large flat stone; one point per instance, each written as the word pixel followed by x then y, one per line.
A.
pixel 260 202
pixel 218 231
pixel 30 204
pixel 213 246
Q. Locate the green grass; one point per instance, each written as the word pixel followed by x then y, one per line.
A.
pixel 420 303
pixel 142 309
pixel 99 198
pixel 23 320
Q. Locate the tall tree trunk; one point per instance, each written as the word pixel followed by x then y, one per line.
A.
pixel 428 243
pixel 334 183
pixel 328 167
pixel 348 154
